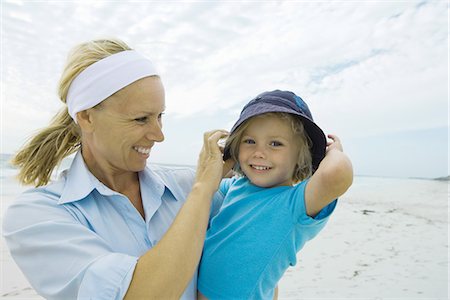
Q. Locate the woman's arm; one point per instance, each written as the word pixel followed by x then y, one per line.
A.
pixel 333 177
pixel 165 270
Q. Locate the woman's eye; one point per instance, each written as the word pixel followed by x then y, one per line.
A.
pixel 141 120
pixel 275 144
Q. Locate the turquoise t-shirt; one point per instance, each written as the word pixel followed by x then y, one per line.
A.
pixel 254 238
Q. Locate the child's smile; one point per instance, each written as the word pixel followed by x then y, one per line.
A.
pixel 268 152
pixel 260 168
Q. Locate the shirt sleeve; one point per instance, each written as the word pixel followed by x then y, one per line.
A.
pixel 114 281
pixel 299 207
pixel 219 196
pixel 61 258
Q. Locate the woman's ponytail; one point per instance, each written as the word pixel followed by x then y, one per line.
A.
pixel 48 147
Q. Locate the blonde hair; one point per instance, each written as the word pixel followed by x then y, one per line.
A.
pixel 49 146
pixel 303 168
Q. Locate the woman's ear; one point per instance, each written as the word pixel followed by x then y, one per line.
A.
pixel 84 119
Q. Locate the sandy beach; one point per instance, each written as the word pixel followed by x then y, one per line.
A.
pixel 388 239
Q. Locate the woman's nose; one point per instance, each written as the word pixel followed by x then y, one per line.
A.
pixel 155 132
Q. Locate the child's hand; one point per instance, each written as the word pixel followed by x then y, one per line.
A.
pixel 334 144
pixel 332 179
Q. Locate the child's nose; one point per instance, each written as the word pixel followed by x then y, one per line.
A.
pixel 259 152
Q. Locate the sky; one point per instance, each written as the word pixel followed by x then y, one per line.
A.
pixel 373 72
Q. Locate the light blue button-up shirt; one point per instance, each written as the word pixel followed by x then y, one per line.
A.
pixel 78 239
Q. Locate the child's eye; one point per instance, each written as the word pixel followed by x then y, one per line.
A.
pixel 275 144
pixel 248 141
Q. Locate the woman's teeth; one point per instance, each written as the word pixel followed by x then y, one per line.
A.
pixel 142 150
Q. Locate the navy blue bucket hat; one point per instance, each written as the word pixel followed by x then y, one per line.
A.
pixel 287 102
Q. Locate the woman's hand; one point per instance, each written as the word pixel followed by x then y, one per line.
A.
pixel 211 168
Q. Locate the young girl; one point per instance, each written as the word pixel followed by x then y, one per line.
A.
pixel 288 187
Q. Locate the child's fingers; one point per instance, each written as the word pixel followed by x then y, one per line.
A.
pixel 333 137
pixel 335 142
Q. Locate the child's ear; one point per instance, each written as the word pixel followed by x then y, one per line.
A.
pixel 295 174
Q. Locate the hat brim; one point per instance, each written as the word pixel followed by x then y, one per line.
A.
pixel 318 139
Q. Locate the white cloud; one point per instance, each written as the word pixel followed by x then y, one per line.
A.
pixel 361 66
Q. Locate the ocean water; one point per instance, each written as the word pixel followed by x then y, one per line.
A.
pixel 10 187
pixel 6 170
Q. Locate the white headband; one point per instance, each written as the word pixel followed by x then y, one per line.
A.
pixel 105 77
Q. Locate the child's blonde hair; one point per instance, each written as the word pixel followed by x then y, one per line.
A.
pixel 303 168
pixel 48 147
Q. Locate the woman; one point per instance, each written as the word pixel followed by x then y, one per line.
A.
pixel 110 227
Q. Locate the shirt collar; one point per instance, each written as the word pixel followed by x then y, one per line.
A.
pixel 151 179
pixel 80 182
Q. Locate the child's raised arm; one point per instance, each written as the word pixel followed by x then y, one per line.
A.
pixel 333 177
